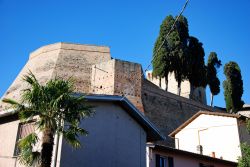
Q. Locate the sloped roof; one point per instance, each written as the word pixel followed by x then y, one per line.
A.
pixel 182 126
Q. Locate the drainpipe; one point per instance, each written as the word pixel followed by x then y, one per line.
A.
pixel 178 140
pixel 56 150
pixel 58 135
pixel 199 147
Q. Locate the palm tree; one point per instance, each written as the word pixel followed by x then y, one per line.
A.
pixel 58 110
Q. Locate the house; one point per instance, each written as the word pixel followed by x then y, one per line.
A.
pixel 118 133
pixel 163 156
pixel 213 134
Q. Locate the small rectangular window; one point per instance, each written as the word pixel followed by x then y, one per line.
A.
pixel 204 165
pixel 24 129
pixel 162 161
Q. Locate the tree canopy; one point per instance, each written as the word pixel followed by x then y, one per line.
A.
pixel 213 81
pixel 233 87
pixel 197 68
pixel 58 111
pixel 162 58
pixel 179 53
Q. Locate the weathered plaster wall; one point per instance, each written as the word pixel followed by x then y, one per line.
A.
pixel 8 133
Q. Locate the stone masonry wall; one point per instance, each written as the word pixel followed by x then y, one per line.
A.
pixel 102 80
pixel 116 77
pixel 128 81
pixel 75 61
pixel 95 72
pixel 199 94
pixel 63 60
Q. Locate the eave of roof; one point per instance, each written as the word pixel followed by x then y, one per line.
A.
pixel 182 126
pixel 191 154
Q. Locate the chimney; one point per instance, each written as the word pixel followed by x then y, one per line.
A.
pixel 213 154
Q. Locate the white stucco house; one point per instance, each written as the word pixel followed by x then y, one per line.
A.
pixel 118 133
pixel 213 134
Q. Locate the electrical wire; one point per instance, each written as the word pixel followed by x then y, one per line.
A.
pixel 165 38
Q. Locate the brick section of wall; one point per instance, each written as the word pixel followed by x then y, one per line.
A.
pixel 166 110
pixel 128 81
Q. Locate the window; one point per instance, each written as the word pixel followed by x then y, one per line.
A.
pixel 204 165
pixel 24 129
pixel 162 161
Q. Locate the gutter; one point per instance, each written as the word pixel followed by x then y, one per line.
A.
pixel 8 112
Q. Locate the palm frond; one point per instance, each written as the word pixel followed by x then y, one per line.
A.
pixel 27 156
pixel 10 101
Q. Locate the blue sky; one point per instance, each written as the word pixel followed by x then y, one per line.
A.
pixel 128 27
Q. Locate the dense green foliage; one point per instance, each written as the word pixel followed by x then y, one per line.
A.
pixel 213 81
pixel 58 111
pixel 233 87
pixel 178 53
pixel 244 161
pixel 196 65
pixel 162 58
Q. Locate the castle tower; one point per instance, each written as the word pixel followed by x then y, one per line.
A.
pixel 64 60
pixel 89 66
pixel 117 77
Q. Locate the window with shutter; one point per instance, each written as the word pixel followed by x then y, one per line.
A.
pixel 24 130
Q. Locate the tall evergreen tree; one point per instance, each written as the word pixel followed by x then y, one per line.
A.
pixel 162 58
pixel 53 103
pixel 233 87
pixel 213 81
pixel 177 43
pixel 196 64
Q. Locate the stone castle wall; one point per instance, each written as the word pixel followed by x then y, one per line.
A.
pixel 63 60
pixel 116 77
pixel 95 72
pixel 199 94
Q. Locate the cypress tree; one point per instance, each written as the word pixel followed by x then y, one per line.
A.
pixel 233 87
pixel 162 58
pixel 213 81
pixel 195 61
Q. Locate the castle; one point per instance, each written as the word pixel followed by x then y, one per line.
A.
pixel 95 72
